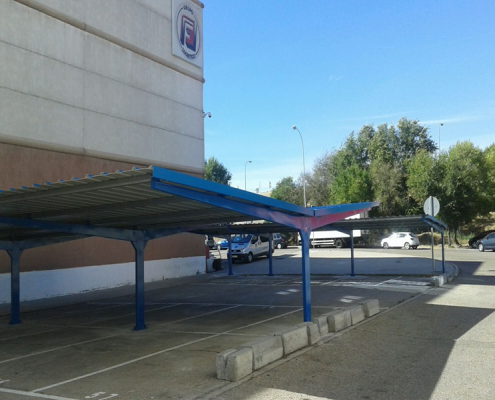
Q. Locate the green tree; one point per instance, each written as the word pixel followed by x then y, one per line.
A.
pixel 318 183
pixel 457 178
pixel 388 187
pixel 489 165
pixel 351 185
pixel 215 171
pixel 288 190
pixel 462 186
pixel 423 178
pixel 382 155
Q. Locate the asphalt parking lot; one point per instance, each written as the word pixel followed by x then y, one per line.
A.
pixel 89 350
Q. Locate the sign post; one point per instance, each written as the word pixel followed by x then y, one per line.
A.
pixel 432 207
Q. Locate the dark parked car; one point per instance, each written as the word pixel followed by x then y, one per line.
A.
pixel 474 240
pixel 279 242
pixel 487 243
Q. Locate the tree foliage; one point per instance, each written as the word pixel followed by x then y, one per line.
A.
pixel 352 185
pixel 215 171
pixel 288 190
pixel 458 178
pixel 489 162
pixel 398 165
pixel 381 155
pixel 319 182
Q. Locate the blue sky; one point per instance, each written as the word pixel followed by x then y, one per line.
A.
pixel 331 67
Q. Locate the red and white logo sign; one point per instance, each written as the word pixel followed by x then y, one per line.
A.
pixel 187 32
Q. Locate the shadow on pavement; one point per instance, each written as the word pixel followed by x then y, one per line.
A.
pixel 438 345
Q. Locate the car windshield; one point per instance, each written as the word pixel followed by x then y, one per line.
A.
pixel 242 238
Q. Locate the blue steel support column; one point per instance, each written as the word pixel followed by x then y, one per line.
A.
pixel 270 253
pixel 15 284
pixel 229 238
pixel 306 274
pixel 443 252
pixel 352 253
pixel 139 247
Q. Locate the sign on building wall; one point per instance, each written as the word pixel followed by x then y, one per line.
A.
pixel 187 32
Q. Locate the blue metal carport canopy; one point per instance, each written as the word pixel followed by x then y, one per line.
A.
pixel 138 206
pixel 251 204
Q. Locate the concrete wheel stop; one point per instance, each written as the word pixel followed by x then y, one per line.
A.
pixel 236 364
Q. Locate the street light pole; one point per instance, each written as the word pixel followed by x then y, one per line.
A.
pixel 441 124
pixel 304 167
pixel 245 180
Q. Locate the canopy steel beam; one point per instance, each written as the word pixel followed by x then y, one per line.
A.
pixel 76 189
pixel 83 211
pixel 258 211
pixel 270 254
pixel 139 247
pixel 15 283
pixel 110 233
pixel 306 273
pixel 174 178
pixel 229 255
pixel 237 206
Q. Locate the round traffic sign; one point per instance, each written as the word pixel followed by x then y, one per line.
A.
pixel 431 206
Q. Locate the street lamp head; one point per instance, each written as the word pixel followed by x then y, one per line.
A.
pixel 441 124
pixel 250 162
pixel 294 127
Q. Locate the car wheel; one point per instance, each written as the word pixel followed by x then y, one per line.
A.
pixel 250 257
pixel 481 247
pixel 407 245
pixel 385 245
pixel 279 246
pixel 415 247
pixel 339 243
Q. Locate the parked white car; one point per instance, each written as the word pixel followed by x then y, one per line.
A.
pixel 401 239
pixel 247 247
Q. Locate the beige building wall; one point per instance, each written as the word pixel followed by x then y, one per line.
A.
pixel 88 86
pixel 98 78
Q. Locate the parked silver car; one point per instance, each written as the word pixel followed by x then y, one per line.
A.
pixel 487 243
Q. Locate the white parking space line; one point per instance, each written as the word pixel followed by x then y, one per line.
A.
pixel 333 281
pixel 32 334
pixel 202 315
pixel 230 304
pixel 155 354
pixel 125 315
pixel 81 312
pixel 109 336
pixel 36 395
pixel 211 333
pixel 59 348
pixel 283 282
pixel 389 280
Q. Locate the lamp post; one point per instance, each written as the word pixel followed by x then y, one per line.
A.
pixel 245 180
pixel 441 124
pixel 304 167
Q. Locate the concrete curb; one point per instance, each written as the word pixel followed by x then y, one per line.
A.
pixel 236 364
pixel 324 339
pixel 446 277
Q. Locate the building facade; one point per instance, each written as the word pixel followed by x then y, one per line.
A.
pixel 91 86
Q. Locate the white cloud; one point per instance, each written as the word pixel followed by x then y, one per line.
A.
pixel 334 78
pixel 372 117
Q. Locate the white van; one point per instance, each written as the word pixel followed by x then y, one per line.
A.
pixel 247 247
